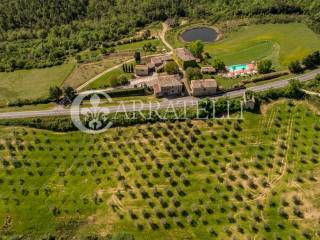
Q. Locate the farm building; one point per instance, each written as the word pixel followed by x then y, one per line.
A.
pixel 142 70
pixel 168 85
pixel 159 62
pixel 185 58
pixel 208 70
pixel 203 87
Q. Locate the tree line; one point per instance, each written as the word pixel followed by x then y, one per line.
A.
pixel 43 14
pixel 44 33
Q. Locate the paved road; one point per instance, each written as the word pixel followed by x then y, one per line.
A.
pixel 180 102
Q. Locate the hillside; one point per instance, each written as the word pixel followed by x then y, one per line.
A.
pixel 37 34
pixel 41 14
pixel 222 179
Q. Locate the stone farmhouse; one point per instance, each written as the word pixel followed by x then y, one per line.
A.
pixel 168 85
pixel 160 61
pixel 156 63
pixel 184 58
pixel 142 70
pixel 203 87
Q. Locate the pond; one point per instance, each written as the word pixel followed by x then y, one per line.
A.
pixel 204 34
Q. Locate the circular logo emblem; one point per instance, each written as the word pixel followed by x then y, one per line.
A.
pixel 88 116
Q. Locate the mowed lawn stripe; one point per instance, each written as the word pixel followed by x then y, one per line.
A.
pixel 296 40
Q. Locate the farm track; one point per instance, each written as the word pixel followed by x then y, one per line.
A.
pixel 162 38
pixel 283 165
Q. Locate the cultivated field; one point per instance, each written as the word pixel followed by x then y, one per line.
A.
pixel 104 81
pixel 199 180
pixel 31 84
pixel 281 43
pixel 86 71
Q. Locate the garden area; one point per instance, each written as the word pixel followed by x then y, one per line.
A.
pixel 111 79
pixel 218 179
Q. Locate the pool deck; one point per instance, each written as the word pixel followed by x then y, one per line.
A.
pixel 240 70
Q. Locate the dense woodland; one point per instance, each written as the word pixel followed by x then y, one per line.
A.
pixel 41 33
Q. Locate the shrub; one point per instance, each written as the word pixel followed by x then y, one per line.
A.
pixel 265 66
pixel 55 93
pixel 171 68
pixel 196 48
pixel 295 67
pixel 266 77
pixel 193 73
pixel 219 65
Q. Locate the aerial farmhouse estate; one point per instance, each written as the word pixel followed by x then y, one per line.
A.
pixel 152 74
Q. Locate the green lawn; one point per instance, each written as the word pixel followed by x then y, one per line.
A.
pixel 227 83
pixel 104 81
pixel 224 179
pixel 281 43
pixel 31 84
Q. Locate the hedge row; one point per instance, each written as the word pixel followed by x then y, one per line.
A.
pixel 265 77
pixel 22 102
pixel 64 124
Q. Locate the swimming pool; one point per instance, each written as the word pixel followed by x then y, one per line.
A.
pixel 238 67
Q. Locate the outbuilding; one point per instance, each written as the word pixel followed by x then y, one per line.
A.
pixel 142 70
pixel 208 70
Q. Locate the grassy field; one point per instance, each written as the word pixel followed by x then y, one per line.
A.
pixel 31 84
pixel 222 179
pixel 281 43
pixel 104 81
pixel 86 71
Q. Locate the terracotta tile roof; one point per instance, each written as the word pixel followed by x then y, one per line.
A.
pixel 184 54
pixel 208 69
pixel 203 83
pixel 168 81
pixel 161 59
pixel 142 67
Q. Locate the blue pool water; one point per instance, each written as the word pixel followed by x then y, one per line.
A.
pixel 238 67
